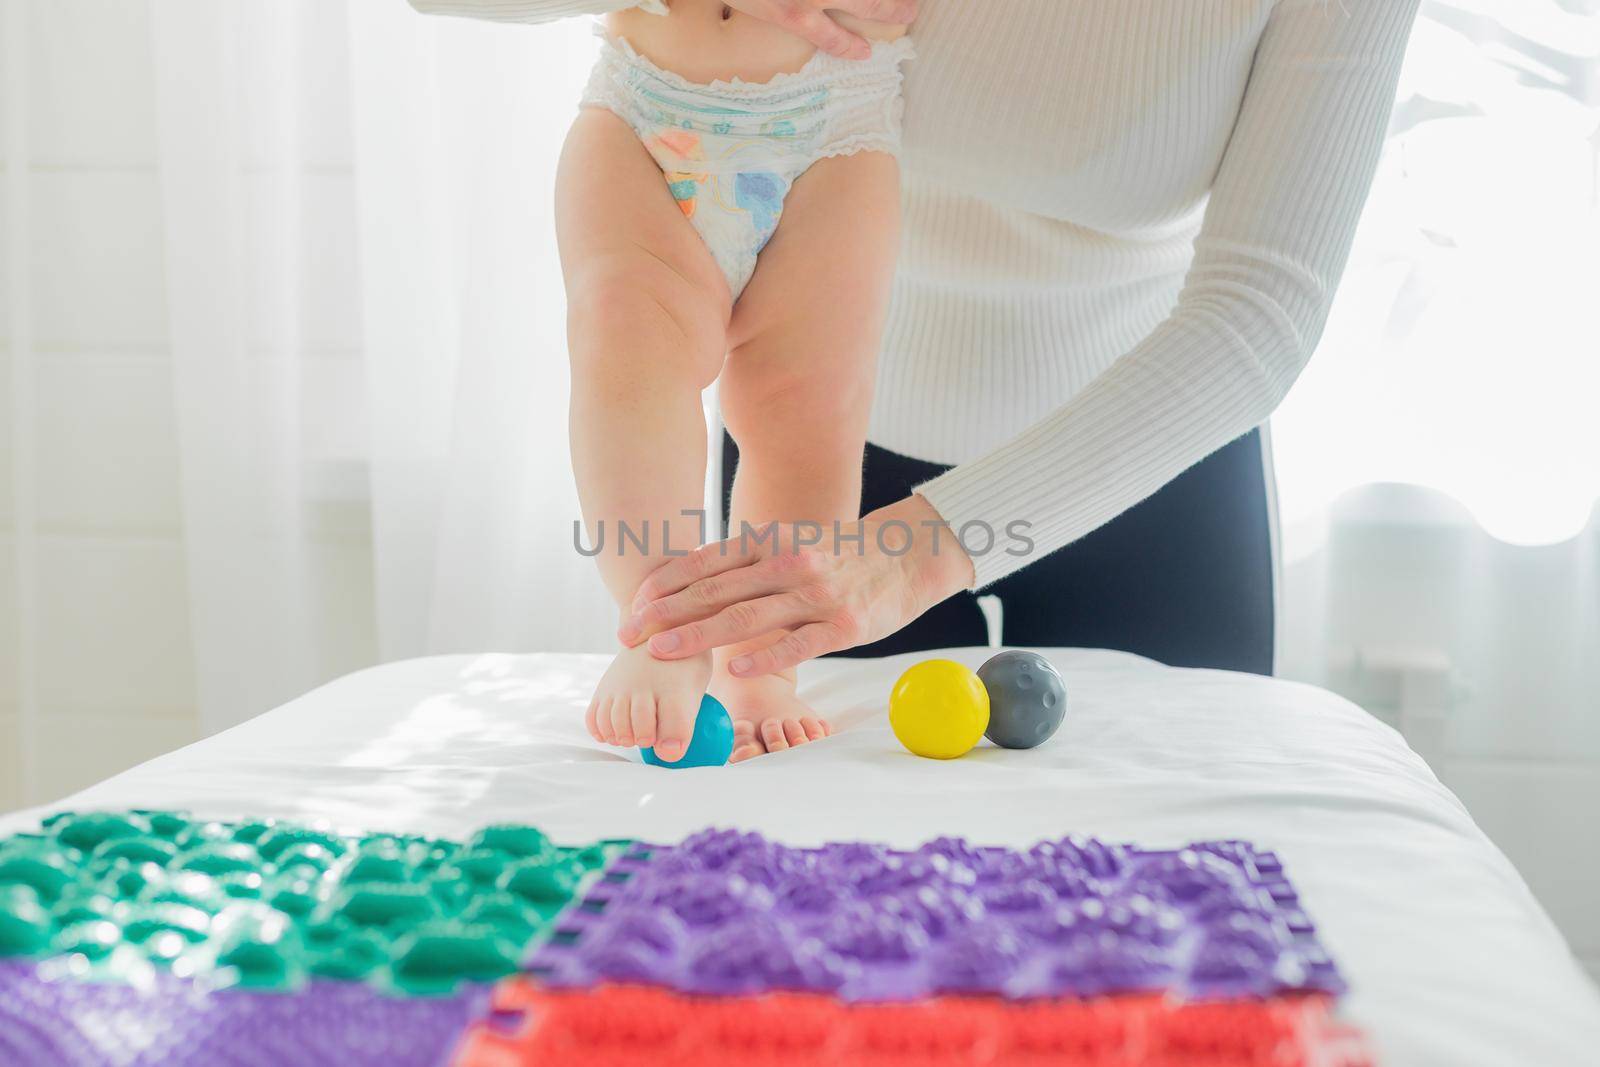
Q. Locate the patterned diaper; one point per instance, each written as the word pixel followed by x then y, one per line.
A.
pixel 730 150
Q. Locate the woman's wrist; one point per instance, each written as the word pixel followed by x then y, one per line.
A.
pixel 936 566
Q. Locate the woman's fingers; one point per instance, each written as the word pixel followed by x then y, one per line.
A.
pixel 898 12
pixel 807 642
pixel 743 620
pixel 728 609
pixel 717 557
pixel 826 34
pixel 700 600
pixel 811 21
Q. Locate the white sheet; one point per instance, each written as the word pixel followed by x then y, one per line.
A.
pixel 1450 959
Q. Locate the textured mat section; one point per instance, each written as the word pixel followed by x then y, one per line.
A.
pixel 623 1025
pixel 271 905
pixel 172 1022
pixel 731 913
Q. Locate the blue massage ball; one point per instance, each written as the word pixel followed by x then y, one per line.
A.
pixel 711 743
pixel 1027 699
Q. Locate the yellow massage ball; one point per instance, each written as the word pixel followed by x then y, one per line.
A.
pixel 939 709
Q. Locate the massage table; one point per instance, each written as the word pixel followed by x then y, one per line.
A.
pixel 1450 960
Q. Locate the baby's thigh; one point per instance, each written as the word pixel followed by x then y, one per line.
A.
pixel 623 239
pixel 829 264
pixel 807 328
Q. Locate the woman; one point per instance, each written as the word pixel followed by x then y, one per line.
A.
pixel 1124 223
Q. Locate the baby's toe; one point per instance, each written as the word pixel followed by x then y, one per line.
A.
pixel 674 724
pixel 772 735
pixel 642 721
pixel 622 720
pixel 794 733
pixel 815 728
pixel 745 742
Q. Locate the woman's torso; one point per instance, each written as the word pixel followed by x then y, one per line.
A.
pixel 698 42
pixel 1057 159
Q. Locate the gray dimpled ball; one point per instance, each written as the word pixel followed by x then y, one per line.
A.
pixel 1027 699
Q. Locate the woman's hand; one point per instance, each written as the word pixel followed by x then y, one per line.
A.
pixel 810 19
pixel 829 596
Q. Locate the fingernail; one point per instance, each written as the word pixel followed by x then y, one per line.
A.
pixel 740 665
pixel 638 603
pixel 630 629
pixel 665 643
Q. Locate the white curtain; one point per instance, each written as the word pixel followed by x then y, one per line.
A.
pixel 1439 461
pixel 367 337
pixel 1464 351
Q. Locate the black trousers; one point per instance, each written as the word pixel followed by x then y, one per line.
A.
pixel 1186 577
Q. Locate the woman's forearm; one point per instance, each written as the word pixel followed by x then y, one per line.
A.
pixel 1277 232
pixel 1125 436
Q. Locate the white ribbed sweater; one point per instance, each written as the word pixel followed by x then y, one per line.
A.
pixel 1124 224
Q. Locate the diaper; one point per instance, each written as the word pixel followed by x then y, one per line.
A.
pixel 731 150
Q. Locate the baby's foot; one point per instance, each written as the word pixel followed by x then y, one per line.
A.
pixel 645 701
pixel 767 714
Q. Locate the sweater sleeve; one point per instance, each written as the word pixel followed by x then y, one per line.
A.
pixel 531 10
pixel 1273 243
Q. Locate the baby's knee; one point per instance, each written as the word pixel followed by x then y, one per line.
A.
pixel 631 314
pixel 773 408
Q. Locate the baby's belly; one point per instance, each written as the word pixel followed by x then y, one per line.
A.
pixel 698 43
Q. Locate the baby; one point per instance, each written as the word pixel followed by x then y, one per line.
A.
pixel 727 204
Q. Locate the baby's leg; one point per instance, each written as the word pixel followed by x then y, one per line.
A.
pixel 647 326
pixel 797 390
